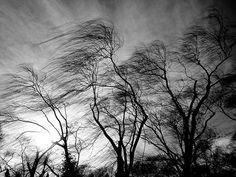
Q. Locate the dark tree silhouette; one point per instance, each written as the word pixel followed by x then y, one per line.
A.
pixel 7 173
pixel 88 63
pixel 158 165
pixel 30 91
pixel 185 87
pixel 27 161
pixel 218 162
pixel 35 162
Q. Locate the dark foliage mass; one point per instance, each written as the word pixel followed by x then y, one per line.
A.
pixel 162 95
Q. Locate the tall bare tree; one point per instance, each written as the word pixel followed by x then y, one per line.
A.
pixel 88 63
pixel 30 92
pixel 185 85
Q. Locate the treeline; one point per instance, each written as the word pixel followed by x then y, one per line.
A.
pixel 163 95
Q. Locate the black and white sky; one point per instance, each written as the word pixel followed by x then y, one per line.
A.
pixel 26 23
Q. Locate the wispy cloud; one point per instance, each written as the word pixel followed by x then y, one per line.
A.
pixel 25 23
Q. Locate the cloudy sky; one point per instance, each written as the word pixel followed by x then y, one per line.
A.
pixel 26 23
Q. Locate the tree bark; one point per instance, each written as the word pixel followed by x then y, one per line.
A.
pixel 187 162
pixel 121 172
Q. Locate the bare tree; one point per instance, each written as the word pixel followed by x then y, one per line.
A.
pixel 26 160
pixel 33 164
pixel 31 92
pixel 184 84
pixel 88 62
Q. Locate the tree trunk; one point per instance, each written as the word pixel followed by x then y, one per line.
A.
pixel 186 170
pixel 70 168
pixel 120 166
pixel 187 162
pixel 121 172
